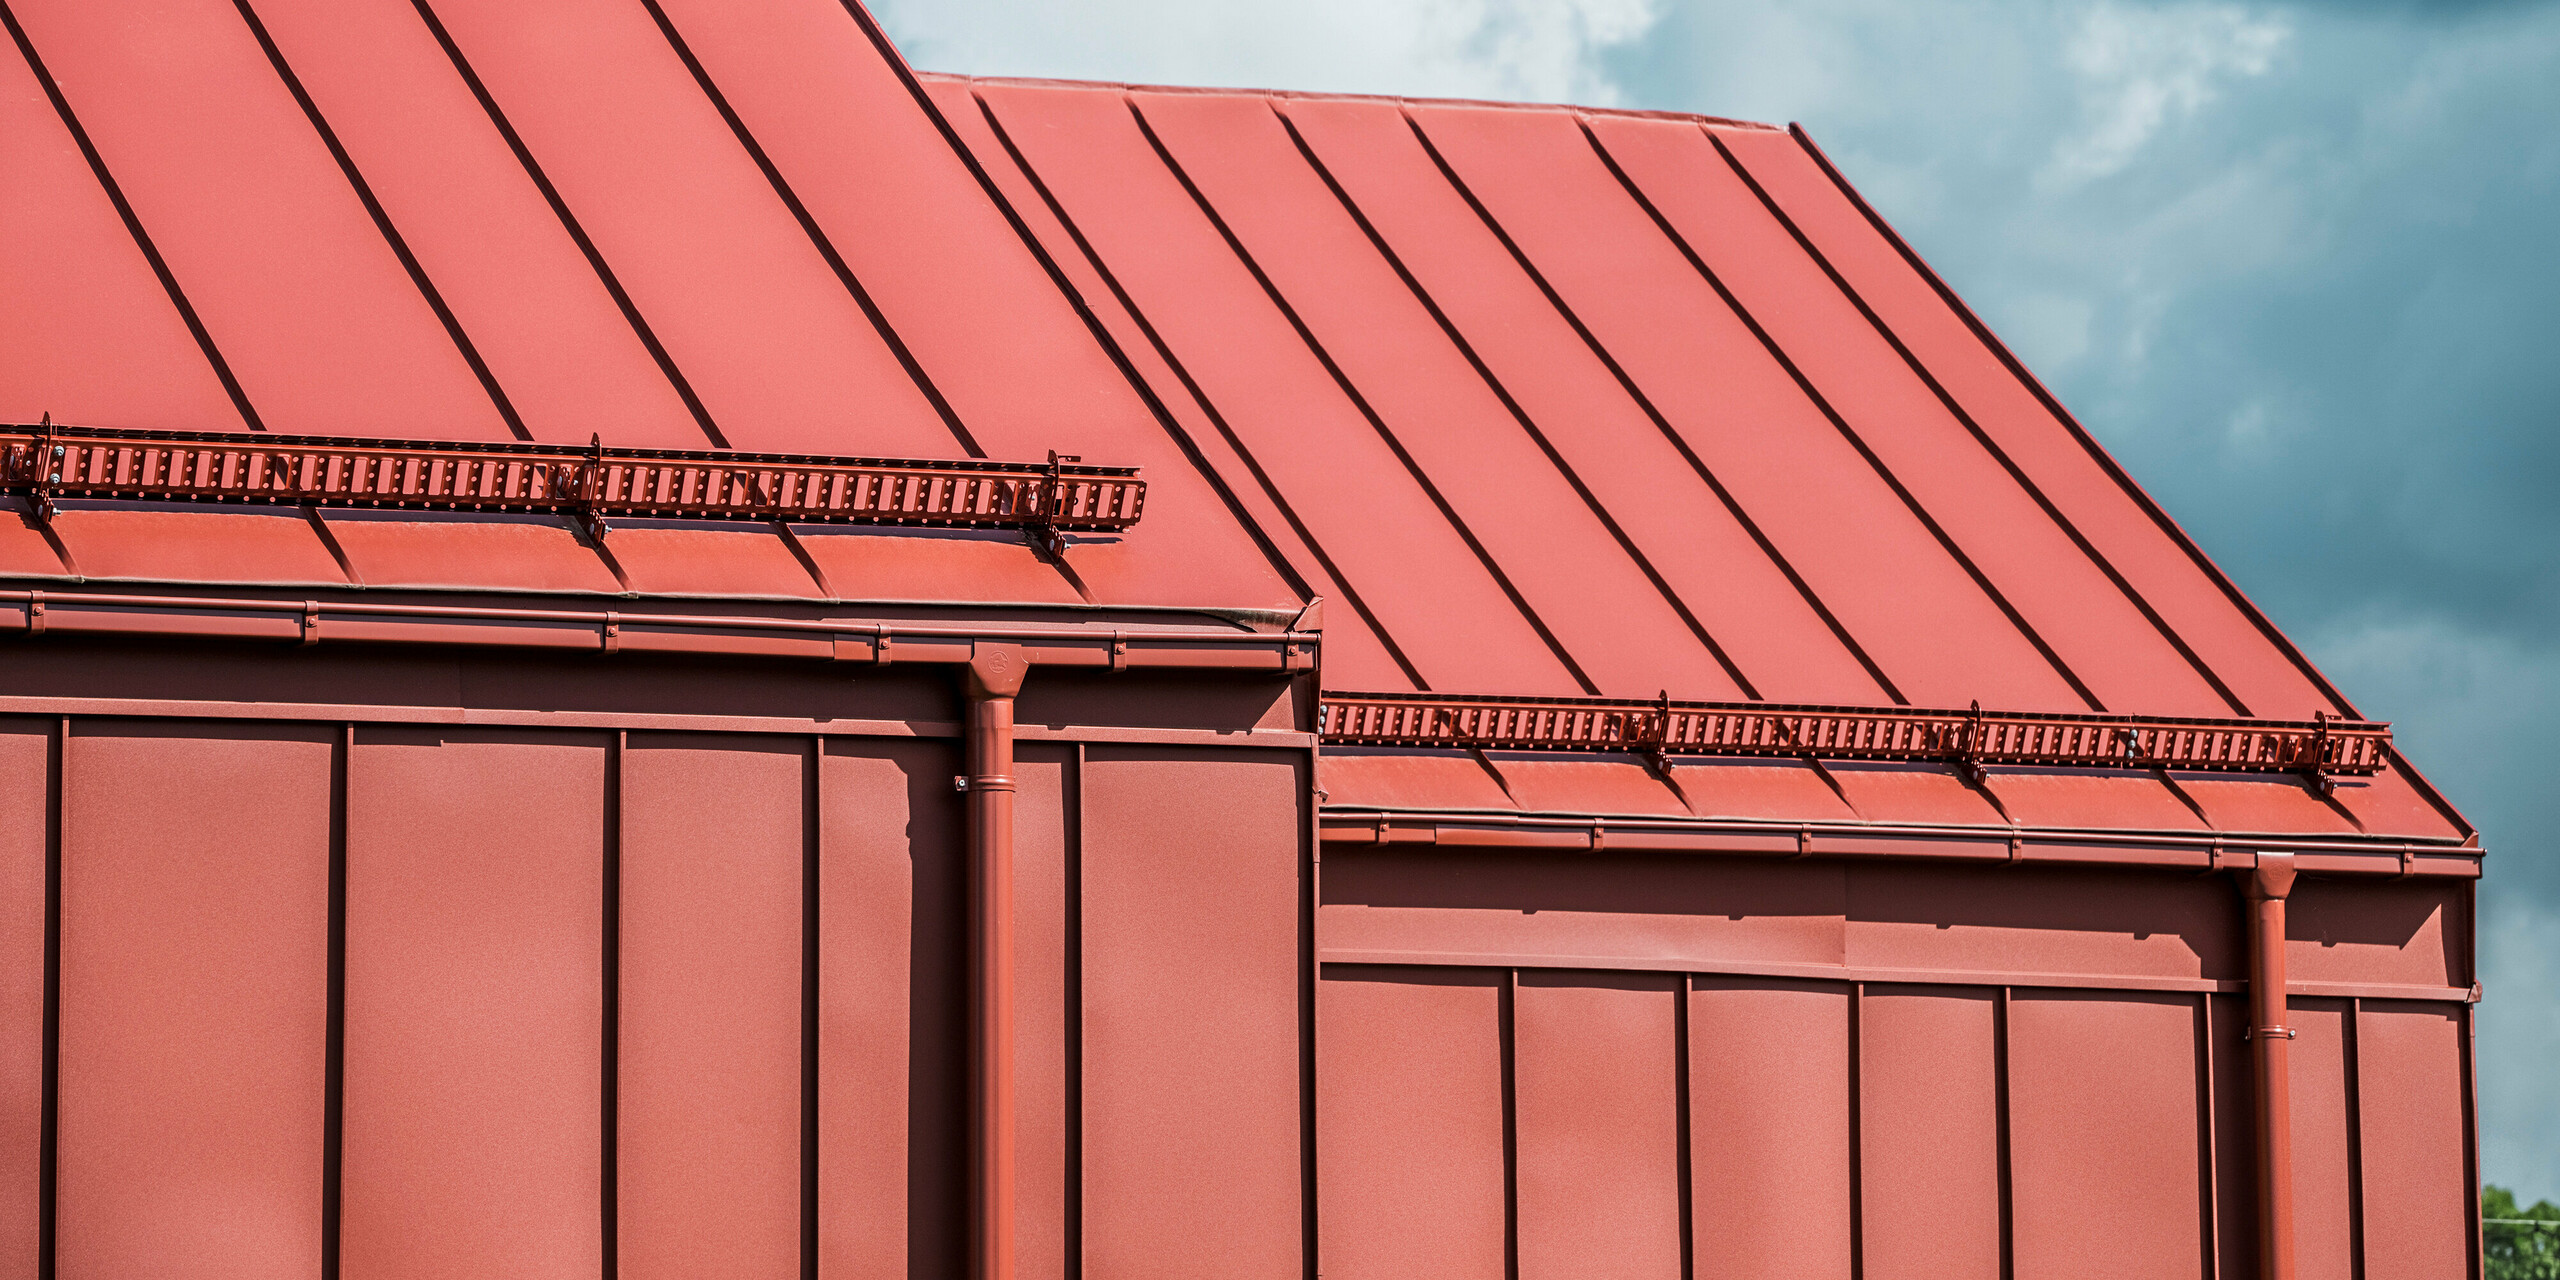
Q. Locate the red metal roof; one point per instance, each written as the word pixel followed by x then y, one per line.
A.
pixel 1546 401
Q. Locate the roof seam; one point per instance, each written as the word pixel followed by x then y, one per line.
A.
pixel 2142 498
pixel 1309 95
pixel 1981 580
pixel 1361 402
pixel 818 238
pixel 132 224
pixel 391 237
pixel 1083 307
pixel 1208 408
pixel 1555 458
pixel 2035 386
pixel 577 232
pixel 1627 383
pixel 1981 437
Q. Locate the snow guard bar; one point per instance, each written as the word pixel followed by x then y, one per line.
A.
pixel 49 462
pixel 1971 739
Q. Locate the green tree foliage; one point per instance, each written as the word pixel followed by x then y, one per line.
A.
pixel 2513 1250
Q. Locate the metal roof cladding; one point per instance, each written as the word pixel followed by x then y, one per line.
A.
pixel 1548 402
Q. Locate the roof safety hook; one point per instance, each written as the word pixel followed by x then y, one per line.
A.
pixel 1969 755
pixel 2315 761
pixel 586 485
pixel 43 470
pixel 1658 744
pixel 1044 529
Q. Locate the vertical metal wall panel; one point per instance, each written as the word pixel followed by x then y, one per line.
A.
pixel 1193 1149
pixel 708 1073
pixel 2324 1105
pixel 195 999
pixel 2104 1169
pixel 26 798
pixel 1410 1160
pixel 475 999
pixel 1928 1133
pixel 2410 1127
pixel 2235 1145
pixel 1769 1148
pixel 891 1078
pixel 1044 1000
pixel 1597 1097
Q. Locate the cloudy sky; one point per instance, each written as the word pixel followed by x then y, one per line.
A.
pixel 2296 264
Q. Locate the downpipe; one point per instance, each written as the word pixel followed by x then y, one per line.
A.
pixel 994 679
pixel 2271 1044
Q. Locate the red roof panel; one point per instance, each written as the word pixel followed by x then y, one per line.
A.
pixel 269 545
pixel 1353 647
pixel 505 553
pixel 1441 417
pixel 87 333
pixel 557 345
pixel 954 282
pixel 1783 790
pixel 1390 540
pixel 2061 462
pixel 669 557
pixel 912 564
pixel 1757 616
pixel 326 330
pixel 779 350
pixel 2095 632
pixel 1865 552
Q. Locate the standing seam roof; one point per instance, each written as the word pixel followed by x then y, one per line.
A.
pixel 1546 400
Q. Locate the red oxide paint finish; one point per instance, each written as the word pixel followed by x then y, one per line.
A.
pixel 707 1084
pixel 1769 1127
pixel 26 775
pixel 1413 1173
pixel 475 1019
pixel 455 892
pixel 195 939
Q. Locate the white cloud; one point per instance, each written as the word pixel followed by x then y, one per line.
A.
pixel 2141 68
pixel 1535 50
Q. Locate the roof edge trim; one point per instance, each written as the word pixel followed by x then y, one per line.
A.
pixel 1314 95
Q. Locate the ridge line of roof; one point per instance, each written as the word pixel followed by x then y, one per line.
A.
pixel 1317 95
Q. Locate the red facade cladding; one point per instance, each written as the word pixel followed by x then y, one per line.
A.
pixel 633 987
pixel 422 889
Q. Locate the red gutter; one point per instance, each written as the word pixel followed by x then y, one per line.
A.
pixel 995 675
pixel 309 622
pixel 1974 845
pixel 2270 1040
